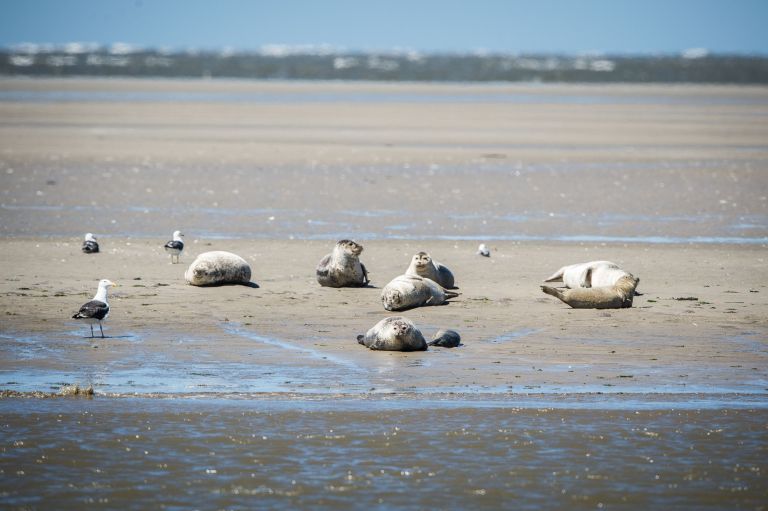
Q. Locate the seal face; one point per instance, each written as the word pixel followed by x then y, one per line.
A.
pixel 342 267
pixel 591 274
pixel 446 339
pixel 395 333
pixel 423 265
pixel 217 268
pixel 409 291
pixel 617 296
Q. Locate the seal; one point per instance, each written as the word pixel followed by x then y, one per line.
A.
pixel 217 268
pixel 591 274
pixel 617 296
pixel 445 339
pixel 483 250
pixel 395 333
pixel 423 265
pixel 342 267
pixel 409 291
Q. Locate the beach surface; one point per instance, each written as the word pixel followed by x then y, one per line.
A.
pixel 671 183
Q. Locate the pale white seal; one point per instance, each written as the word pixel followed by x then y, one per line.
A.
pixel 394 333
pixel 342 267
pixel 591 274
pixel 216 268
pixel 409 291
pixel 617 296
pixel 423 265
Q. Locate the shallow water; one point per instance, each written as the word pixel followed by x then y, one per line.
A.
pixel 277 454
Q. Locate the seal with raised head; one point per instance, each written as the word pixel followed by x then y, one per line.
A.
pixel 423 265
pixel 394 333
pixel 445 339
pixel 617 296
pixel 409 291
pixel 217 268
pixel 342 267
pixel 591 274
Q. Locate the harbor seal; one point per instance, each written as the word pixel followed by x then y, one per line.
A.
pixel 409 291
pixel 423 265
pixel 591 274
pixel 394 333
pixel 445 339
pixel 617 296
pixel 342 267
pixel 217 268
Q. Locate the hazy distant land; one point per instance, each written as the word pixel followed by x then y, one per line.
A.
pixel 325 63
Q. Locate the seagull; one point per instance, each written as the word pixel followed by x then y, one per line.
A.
pixel 97 309
pixel 90 245
pixel 175 247
pixel 483 250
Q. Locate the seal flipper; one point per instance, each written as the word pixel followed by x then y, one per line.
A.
pixel 450 294
pixel 557 276
pixel 552 291
pixel 587 282
pixel 366 281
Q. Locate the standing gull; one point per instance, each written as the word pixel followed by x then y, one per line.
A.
pixel 90 245
pixel 175 246
pixel 97 309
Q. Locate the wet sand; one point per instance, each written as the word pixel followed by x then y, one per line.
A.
pixel 690 331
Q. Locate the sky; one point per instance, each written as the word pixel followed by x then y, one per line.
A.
pixel 510 26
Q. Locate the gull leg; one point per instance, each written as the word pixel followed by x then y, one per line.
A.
pixel 102 330
pixel 91 329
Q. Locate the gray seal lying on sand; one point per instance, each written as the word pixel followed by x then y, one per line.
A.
pixel 423 265
pixel 446 339
pixel 216 268
pixel 394 333
pixel 617 296
pixel 591 274
pixel 409 291
pixel 342 267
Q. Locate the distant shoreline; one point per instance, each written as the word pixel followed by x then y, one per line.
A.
pixel 388 66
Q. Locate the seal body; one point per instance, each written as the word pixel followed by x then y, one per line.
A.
pixel 409 291
pixel 423 265
pixel 591 274
pixel 446 339
pixel 342 267
pixel 617 296
pixel 217 268
pixel 394 333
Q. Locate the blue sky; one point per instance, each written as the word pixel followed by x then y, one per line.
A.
pixel 568 26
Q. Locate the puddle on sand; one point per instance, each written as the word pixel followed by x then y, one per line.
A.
pixel 512 336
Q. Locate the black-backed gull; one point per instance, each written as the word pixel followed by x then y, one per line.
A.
pixel 97 309
pixel 90 245
pixel 175 246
